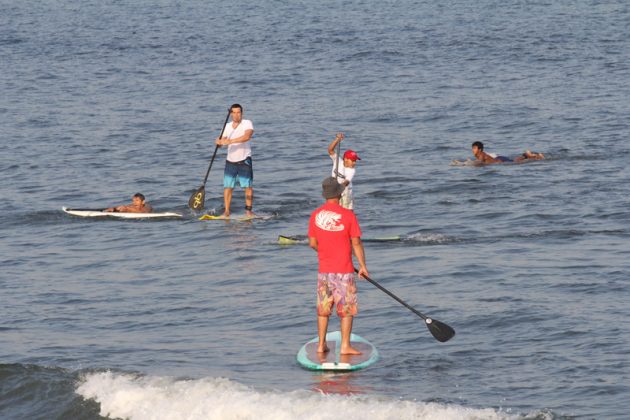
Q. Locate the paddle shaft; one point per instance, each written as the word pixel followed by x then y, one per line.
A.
pixel 205 179
pixel 396 298
pixel 337 163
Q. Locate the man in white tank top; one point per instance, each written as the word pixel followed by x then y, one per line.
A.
pixel 238 166
pixel 344 170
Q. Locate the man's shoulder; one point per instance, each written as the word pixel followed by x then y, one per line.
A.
pixel 247 124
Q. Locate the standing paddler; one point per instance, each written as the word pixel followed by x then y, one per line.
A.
pixel 238 165
pixel 334 232
pixel 344 170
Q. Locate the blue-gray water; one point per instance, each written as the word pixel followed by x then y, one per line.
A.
pixel 190 319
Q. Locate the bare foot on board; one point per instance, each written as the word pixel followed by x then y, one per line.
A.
pixel 349 350
pixel 323 349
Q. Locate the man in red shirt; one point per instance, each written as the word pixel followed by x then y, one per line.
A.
pixel 334 233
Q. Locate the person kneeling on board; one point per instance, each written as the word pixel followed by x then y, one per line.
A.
pixel 138 205
pixel 334 232
pixel 483 157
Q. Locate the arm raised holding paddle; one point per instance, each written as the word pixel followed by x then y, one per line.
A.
pixel 343 171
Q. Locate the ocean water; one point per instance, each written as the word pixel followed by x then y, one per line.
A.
pixel 184 319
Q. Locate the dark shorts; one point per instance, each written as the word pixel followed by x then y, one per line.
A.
pixel 241 172
pixel 504 159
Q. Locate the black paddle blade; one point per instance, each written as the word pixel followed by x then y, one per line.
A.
pixel 440 330
pixel 197 199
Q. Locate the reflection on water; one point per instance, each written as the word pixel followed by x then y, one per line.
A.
pixel 339 383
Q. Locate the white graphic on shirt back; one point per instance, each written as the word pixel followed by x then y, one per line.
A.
pixel 329 220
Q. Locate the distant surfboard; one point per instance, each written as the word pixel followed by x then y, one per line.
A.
pixel 308 357
pixel 241 218
pixel 303 239
pixel 122 215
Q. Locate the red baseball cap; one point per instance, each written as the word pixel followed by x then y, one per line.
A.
pixel 351 154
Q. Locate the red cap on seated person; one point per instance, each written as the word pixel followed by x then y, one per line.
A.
pixel 351 154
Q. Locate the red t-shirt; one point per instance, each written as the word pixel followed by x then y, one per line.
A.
pixel 333 226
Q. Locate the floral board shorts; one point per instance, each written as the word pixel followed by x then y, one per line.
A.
pixel 338 289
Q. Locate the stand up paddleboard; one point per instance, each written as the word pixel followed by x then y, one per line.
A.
pixel 121 215
pixel 308 357
pixel 303 239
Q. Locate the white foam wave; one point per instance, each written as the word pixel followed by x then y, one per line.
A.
pixel 148 397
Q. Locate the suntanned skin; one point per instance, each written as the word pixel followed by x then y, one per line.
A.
pixel 237 117
pixel 483 157
pixel 137 205
pixel 346 322
pixel 348 163
pixel 529 155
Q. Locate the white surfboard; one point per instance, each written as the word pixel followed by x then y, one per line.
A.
pixel 308 357
pixel 122 215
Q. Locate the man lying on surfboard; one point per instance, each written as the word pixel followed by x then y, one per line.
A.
pixel 138 205
pixel 485 158
pixel 334 233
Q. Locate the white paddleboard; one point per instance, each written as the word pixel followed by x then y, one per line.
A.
pixel 308 357
pixel 122 215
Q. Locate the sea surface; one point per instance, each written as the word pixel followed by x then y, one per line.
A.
pixel 186 319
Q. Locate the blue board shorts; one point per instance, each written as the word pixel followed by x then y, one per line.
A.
pixel 241 172
pixel 504 159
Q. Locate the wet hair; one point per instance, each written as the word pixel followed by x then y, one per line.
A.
pixel 236 106
pixel 140 196
pixel 478 145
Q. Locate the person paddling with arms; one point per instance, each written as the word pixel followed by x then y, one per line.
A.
pixel 138 205
pixel 482 157
pixel 334 232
